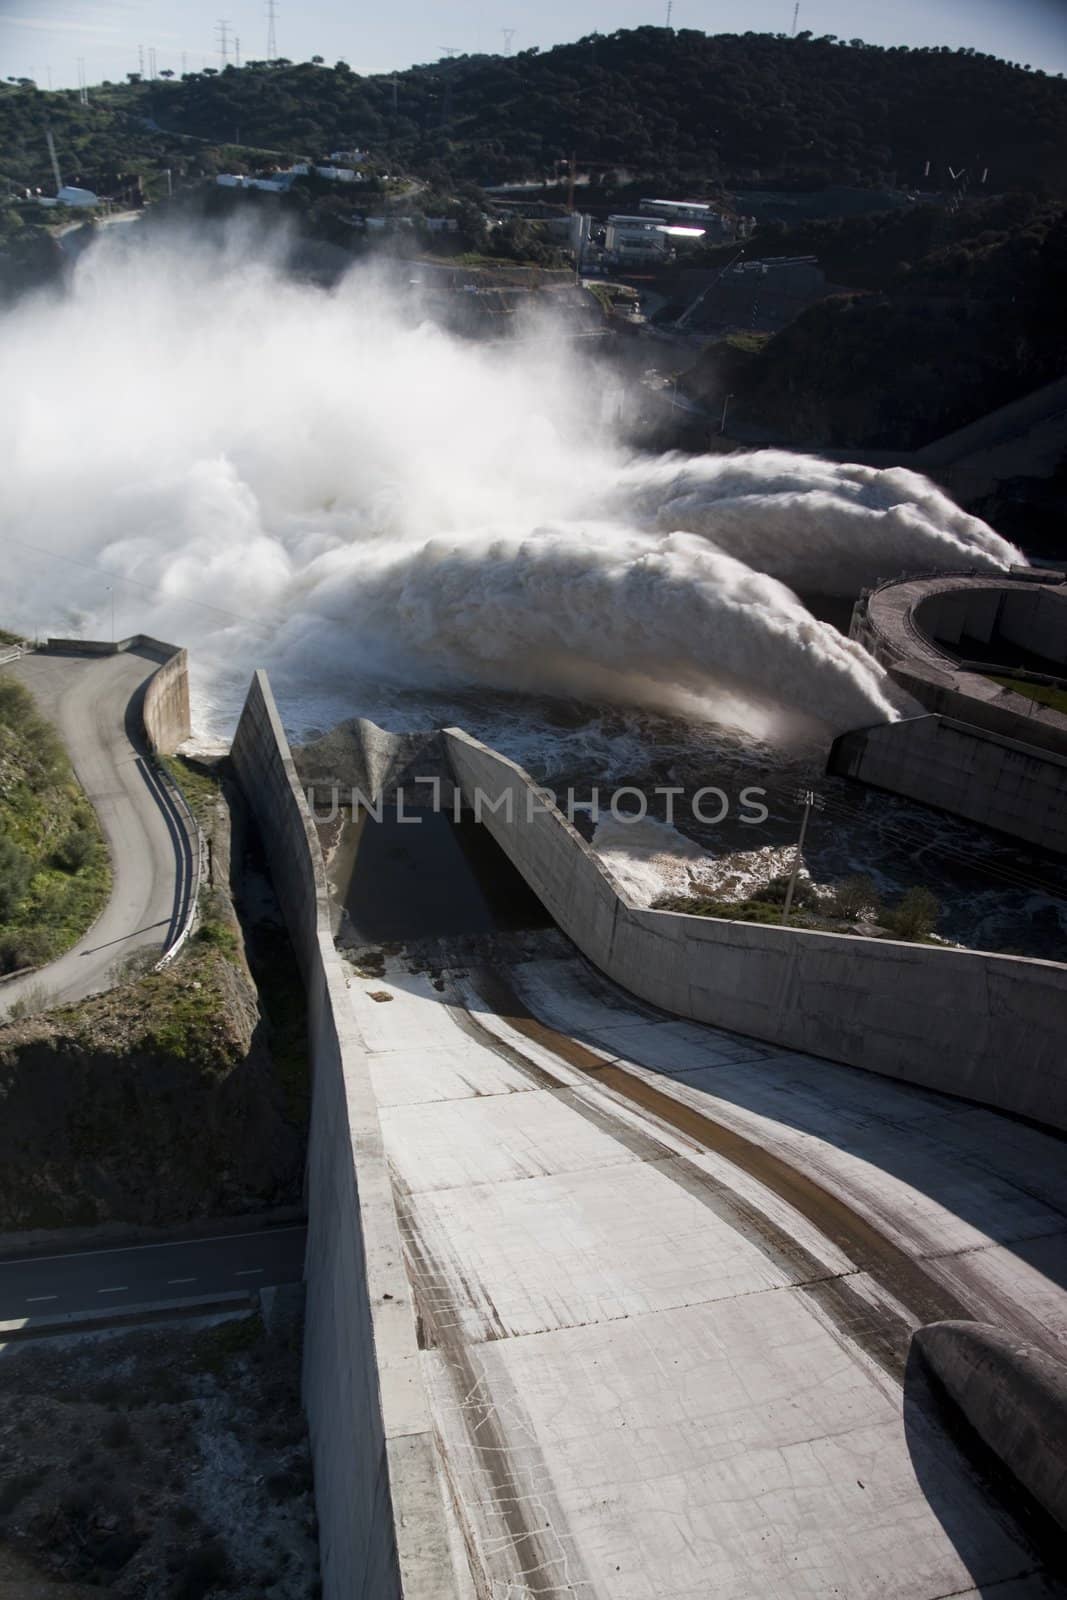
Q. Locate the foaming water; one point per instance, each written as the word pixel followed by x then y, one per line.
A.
pixel 326 484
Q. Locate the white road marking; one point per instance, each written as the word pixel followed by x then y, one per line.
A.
pixel 163 1244
pixel 181 1280
pixel 34 1299
pixel 248 1272
pixel 121 1288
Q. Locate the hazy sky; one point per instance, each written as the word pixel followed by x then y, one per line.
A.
pixel 39 38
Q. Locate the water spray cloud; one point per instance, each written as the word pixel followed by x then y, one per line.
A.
pixel 325 483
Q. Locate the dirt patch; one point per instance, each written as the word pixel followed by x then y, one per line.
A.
pixel 163 1465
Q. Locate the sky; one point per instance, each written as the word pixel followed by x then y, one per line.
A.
pixel 51 40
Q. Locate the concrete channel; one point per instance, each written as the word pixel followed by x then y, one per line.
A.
pixel 605 1300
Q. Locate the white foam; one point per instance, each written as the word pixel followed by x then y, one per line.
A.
pixel 322 484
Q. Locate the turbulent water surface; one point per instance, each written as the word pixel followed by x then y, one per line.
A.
pixel 419 529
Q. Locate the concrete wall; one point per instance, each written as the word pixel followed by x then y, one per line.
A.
pixel 166 705
pixel 1032 617
pixel 1014 1395
pixel 381 1516
pixel 165 709
pixel 987 1027
pixel 964 769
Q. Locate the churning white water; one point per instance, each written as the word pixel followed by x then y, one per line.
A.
pixel 324 483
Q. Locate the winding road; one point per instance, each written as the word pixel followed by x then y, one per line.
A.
pixel 95 703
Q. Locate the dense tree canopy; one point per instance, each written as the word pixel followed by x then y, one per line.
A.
pixel 675 105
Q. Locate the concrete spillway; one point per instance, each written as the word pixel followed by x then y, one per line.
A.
pixel 605 1302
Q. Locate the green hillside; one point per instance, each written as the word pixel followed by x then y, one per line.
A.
pixel 675 106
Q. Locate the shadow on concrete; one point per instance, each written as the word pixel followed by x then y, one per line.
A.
pixel 943 1447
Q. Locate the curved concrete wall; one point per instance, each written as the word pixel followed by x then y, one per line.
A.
pixel 382 1527
pixel 987 1027
pixel 996 782
pixel 165 709
pixel 1015 1397
pixel 166 704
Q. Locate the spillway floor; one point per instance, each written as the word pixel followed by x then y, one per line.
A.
pixel 666 1279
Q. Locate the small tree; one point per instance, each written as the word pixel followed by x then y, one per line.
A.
pixel 916 915
pixel 855 898
pixel 15 874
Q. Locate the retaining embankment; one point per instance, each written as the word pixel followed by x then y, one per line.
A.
pixel 165 708
pixel 381 1515
pixel 1014 1395
pixel 986 1027
pixel 997 782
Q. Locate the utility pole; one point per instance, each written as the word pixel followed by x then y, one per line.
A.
pixel 725 408
pixel 396 95
pixel 670 11
pixel 811 802
pixel 796 14
pixel 272 42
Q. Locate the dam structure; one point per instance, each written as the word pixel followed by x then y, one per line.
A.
pixel 623 1223
pixel 985 659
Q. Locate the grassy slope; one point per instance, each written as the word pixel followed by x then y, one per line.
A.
pixel 1044 693
pixel 42 811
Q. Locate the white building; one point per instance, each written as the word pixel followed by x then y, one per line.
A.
pixel 636 239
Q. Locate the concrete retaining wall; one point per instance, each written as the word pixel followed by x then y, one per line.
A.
pixel 1015 1397
pixel 381 1516
pixel 166 705
pixel 969 771
pixel 986 1027
pixel 165 708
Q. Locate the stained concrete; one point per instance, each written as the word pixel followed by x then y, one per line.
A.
pixel 996 782
pixel 987 1027
pixel 651 1375
pixel 378 1491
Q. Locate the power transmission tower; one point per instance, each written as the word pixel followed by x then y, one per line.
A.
pixel 140 60
pixel 151 60
pixel 83 92
pixel 670 11
pixel 796 14
pixel 509 34
pixel 272 42
pixel 236 51
pixel 222 28
pixel 449 50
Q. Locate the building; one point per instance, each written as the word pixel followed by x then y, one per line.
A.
pixel 636 239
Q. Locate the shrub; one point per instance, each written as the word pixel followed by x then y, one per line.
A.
pixel 916 915
pixel 856 897
pixel 774 893
pixel 15 873
pixel 76 850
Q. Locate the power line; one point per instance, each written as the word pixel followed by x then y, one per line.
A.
pixel 154 590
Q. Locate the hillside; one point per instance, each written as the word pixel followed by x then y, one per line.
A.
pixel 673 107
pixel 55 876
pixel 939 341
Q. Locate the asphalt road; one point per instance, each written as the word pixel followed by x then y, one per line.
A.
pixel 99 1280
pixel 94 703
